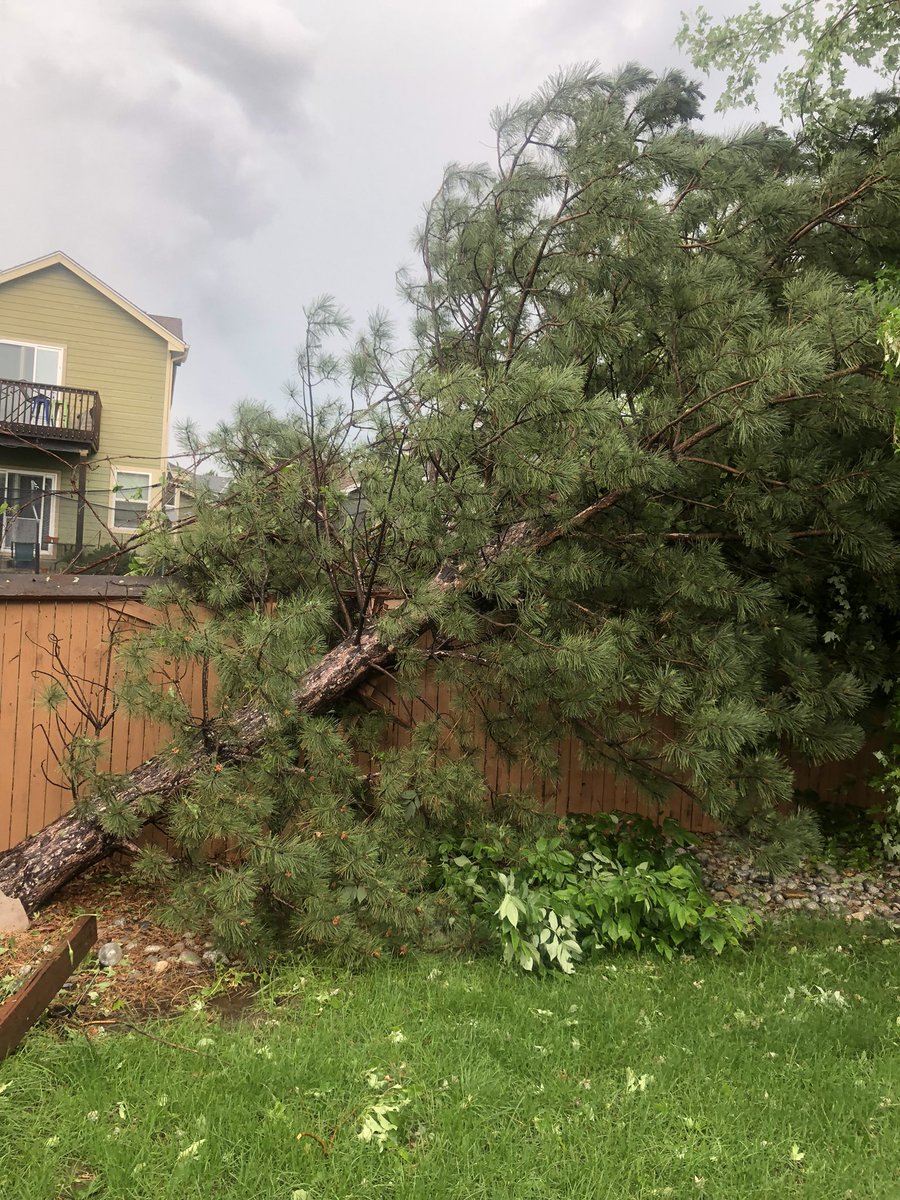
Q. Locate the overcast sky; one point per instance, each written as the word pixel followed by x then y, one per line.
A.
pixel 226 162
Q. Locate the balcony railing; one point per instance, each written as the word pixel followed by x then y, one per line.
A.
pixel 45 414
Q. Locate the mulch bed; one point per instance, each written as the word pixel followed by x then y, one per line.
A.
pixel 137 986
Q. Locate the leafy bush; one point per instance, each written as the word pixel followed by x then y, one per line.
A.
pixel 604 882
pixel 858 837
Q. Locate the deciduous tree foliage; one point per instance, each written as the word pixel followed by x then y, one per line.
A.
pixel 635 463
pixel 827 39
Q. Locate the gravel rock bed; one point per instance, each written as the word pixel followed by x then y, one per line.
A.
pixel 816 887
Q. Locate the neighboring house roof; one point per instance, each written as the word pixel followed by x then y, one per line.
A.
pixel 168 328
pixel 173 324
pixel 192 484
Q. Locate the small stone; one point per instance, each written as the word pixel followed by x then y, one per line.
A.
pixel 214 956
pixel 190 958
pixel 120 923
pixel 161 966
pixel 131 945
pixel 144 926
pixel 794 894
pixel 154 949
pixel 110 954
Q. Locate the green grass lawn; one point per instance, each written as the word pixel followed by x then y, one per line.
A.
pixel 767 1073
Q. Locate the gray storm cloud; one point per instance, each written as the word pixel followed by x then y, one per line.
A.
pixel 228 160
pixel 182 108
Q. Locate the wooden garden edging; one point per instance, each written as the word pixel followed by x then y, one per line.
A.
pixel 21 1011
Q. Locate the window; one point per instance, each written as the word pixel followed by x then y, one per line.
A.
pixel 30 500
pixel 131 498
pixel 35 364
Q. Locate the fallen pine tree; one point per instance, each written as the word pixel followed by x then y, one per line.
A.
pixel 636 476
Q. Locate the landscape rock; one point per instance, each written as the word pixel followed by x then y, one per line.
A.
pixel 161 966
pixel 190 958
pixel 110 954
pixel 814 887
pixel 13 917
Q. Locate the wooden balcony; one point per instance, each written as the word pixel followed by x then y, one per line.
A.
pixel 49 417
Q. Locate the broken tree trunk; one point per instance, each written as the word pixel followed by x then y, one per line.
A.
pixel 39 866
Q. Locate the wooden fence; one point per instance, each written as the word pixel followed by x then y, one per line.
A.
pixel 581 789
pixel 82 614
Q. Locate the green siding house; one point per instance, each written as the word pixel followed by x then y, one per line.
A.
pixel 86 386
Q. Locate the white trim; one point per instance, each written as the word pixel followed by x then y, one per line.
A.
pixel 113 494
pixel 53 534
pixel 177 346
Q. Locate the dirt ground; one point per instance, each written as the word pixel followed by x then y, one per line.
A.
pixel 160 971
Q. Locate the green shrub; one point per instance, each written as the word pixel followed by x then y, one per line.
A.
pixel 889 816
pixel 863 838
pixel 590 885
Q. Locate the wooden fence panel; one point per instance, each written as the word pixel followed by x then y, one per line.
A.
pixel 30 791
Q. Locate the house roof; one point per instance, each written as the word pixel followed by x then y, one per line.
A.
pixel 189 481
pixel 168 328
pixel 173 324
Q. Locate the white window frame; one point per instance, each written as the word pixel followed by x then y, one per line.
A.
pixel 53 535
pixel 114 495
pixel 61 369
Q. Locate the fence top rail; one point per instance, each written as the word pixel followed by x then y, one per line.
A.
pixel 17 585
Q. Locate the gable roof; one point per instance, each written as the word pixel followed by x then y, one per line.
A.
pixel 168 328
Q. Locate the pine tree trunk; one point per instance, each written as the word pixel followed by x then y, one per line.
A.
pixel 33 870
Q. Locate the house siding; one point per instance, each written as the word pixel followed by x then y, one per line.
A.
pixel 109 351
